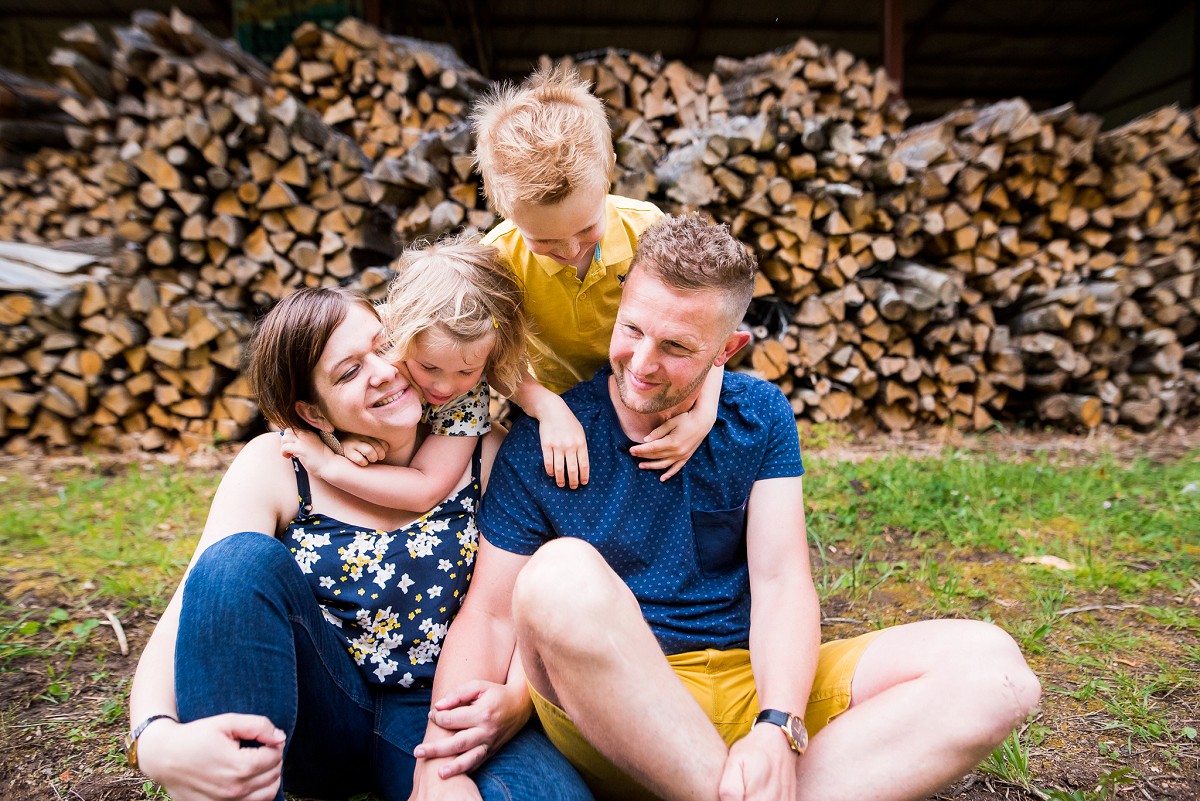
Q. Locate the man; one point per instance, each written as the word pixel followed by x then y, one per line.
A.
pixel 655 620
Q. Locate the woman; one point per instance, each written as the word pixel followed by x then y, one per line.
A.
pixel 300 647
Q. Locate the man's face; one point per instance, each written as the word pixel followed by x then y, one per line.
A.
pixel 664 343
pixel 566 231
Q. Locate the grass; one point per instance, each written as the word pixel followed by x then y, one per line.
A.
pixel 127 535
pixel 1110 626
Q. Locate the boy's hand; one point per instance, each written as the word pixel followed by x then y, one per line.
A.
pixel 363 450
pixel 669 446
pixel 308 448
pixel 564 446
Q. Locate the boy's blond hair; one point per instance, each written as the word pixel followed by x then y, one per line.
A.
pixel 461 288
pixel 542 141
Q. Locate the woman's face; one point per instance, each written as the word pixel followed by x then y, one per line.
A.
pixel 358 391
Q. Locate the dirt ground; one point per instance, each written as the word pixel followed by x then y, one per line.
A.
pixel 69 747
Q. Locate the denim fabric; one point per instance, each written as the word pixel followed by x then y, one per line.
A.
pixel 253 640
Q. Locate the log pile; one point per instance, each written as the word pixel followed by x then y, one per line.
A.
pixel 49 182
pixel 112 361
pixel 225 194
pixel 995 264
pixel 1081 245
pixel 405 102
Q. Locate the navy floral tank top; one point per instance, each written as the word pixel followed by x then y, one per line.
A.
pixel 391 595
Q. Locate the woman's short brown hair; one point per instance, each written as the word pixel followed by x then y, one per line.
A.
pixel 287 344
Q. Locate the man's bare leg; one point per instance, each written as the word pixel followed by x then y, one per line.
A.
pixel 586 648
pixel 930 701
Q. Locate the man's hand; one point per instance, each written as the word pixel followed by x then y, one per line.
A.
pixel 205 760
pixel 564 446
pixel 760 767
pixel 483 716
pixel 669 446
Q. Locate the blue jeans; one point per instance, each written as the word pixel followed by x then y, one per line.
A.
pixel 252 639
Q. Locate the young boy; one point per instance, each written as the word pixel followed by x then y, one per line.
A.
pixel 545 152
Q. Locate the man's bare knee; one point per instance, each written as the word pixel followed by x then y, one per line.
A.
pixel 564 591
pixel 995 679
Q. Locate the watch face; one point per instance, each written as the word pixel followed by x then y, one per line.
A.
pixel 799 734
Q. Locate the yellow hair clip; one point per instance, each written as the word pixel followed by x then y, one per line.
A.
pixel 495 324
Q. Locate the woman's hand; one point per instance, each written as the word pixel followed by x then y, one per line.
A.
pixel 205 759
pixel 428 786
pixel 483 716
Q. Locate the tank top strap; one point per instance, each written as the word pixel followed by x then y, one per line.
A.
pixel 303 489
pixel 477 460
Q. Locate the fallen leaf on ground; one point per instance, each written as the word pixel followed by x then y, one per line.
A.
pixel 1056 562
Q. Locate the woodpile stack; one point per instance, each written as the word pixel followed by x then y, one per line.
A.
pixel 995 264
pixel 49 182
pixel 1064 238
pixel 113 361
pixel 225 194
pixel 406 103
pixel 653 104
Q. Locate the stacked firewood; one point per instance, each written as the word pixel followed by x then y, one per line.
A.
pixel 994 264
pixel 49 186
pixel 406 103
pixel 225 194
pixel 1063 238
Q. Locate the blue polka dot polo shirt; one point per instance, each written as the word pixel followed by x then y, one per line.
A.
pixel 679 545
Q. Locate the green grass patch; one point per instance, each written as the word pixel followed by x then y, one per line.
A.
pixel 120 539
pixel 1107 612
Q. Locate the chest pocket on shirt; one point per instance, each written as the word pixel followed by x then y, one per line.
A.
pixel 720 538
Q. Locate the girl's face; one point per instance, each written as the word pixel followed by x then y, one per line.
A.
pixel 445 369
pixel 359 391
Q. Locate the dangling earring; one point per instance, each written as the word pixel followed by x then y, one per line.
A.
pixel 332 443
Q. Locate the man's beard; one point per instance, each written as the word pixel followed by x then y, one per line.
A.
pixel 661 401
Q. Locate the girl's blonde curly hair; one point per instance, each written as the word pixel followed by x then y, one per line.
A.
pixel 461 288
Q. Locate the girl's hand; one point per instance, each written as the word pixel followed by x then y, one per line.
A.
pixel 306 446
pixel 483 716
pixel 205 759
pixel 669 446
pixel 564 446
pixel 363 450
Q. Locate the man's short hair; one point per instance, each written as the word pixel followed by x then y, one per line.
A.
pixel 689 253
pixel 542 141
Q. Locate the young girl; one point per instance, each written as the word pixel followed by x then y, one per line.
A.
pixel 453 315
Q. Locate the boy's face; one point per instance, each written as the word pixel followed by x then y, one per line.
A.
pixel 566 231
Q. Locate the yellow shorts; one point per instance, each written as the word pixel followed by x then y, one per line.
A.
pixel 723 684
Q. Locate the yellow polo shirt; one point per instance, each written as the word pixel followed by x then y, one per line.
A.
pixel 573 320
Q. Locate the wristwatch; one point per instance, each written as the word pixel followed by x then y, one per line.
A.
pixel 131 738
pixel 792 725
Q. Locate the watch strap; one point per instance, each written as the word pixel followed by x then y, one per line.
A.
pixel 131 738
pixel 773 716
pixel 792 726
